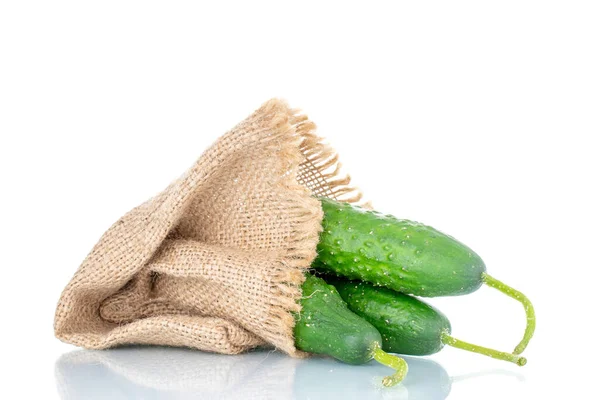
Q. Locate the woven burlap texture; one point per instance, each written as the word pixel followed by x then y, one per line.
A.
pixel 216 260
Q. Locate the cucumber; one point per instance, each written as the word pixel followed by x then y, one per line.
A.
pixel 404 256
pixel 326 326
pixel 407 324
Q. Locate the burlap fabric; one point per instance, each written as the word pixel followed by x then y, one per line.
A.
pixel 216 260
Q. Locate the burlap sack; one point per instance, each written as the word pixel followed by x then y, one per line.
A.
pixel 216 260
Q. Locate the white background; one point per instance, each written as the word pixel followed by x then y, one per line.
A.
pixel 477 118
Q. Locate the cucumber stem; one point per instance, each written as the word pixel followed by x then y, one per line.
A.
pixel 515 294
pixel 391 361
pixel 499 355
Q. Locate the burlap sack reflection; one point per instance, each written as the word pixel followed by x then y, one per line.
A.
pixel 214 261
pixel 165 373
pixel 152 373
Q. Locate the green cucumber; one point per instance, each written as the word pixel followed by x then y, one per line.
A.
pixel 405 256
pixel 325 325
pixel 407 324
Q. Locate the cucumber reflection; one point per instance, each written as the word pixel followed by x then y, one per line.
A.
pixel 173 373
pixel 426 379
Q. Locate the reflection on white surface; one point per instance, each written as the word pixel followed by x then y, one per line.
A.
pixel 172 373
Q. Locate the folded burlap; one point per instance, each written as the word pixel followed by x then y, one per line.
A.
pixel 216 260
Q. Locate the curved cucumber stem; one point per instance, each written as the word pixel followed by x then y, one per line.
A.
pixel 515 294
pixel 394 362
pixel 500 355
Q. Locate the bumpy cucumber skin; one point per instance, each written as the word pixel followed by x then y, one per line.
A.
pixel 326 325
pixel 402 255
pixel 407 325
